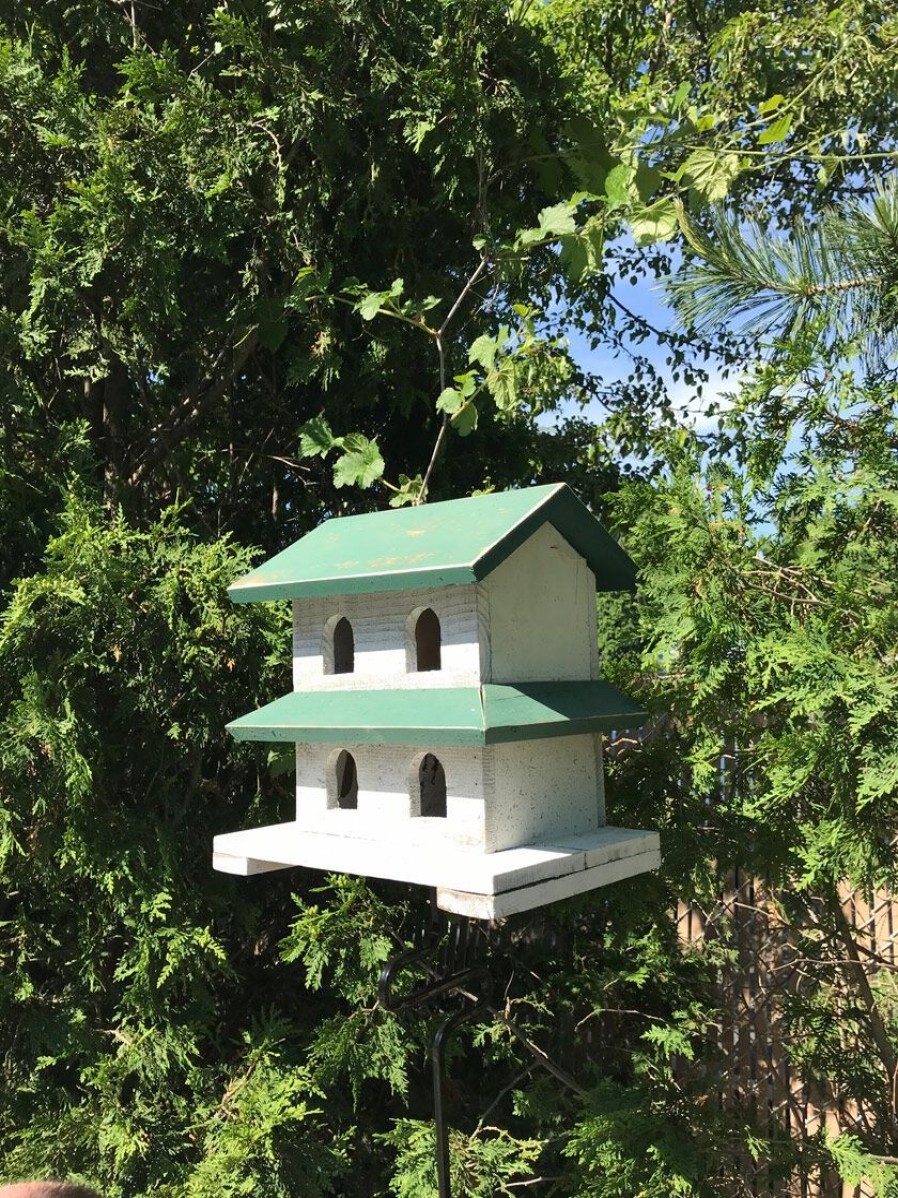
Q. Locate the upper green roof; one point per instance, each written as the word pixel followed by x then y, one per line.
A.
pixel 435 544
pixel 455 715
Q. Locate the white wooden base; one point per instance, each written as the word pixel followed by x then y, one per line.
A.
pixel 468 882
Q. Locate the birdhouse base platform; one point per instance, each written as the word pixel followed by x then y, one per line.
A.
pixel 472 883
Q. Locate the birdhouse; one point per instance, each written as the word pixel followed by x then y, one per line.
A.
pixel 447 708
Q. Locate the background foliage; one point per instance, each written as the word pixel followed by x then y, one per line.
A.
pixel 264 262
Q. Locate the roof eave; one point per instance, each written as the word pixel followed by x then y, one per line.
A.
pixel 493 714
pixel 613 568
pixel 254 588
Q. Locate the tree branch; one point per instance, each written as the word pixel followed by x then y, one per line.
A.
pixel 441 351
pixel 166 437
pixel 438 445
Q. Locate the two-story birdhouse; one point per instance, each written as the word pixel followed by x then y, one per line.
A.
pixel 447 709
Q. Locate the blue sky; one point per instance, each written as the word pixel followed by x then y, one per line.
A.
pixel 647 300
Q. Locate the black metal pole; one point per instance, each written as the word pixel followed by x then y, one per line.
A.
pixel 438 1058
pixel 443 980
pixel 442 955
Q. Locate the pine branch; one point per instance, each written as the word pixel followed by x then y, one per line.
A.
pixel 835 279
pixel 842 285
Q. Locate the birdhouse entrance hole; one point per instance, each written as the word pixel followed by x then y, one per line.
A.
pixel 425 653
pixel 343 783
pixel 431 787
pixel 339 646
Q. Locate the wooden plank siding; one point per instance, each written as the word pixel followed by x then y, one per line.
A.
pixel 758 1074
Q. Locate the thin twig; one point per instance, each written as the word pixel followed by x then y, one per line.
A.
pixel 616 1011
pixel 438 445
pixel 541 1057
pixel 438 337
pixel 164 438
pixel 481 267
pixel 518 1077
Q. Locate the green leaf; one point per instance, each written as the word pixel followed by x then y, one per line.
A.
pixel 558 219
pixel 52 139
pixel 825 171
pixel 647 181
pixel 657 222
pixel 465 419
pixel 316 439
pixel 680 96
pixel 408 491
pixel 777 131
pixel 770 104
pixel 706 122
pixel 619 186
pixel 418 132
pixel 581 252
pixel 527 237
pixel 450 400
pixel 369 305
pixel 281 760
pixel 574 257
pixel 483 351
pixel 361 464
pixel 467 383
pixel 308 280
pixel 711 173
pixel 588 158
pixel 502 385
pixel 221 184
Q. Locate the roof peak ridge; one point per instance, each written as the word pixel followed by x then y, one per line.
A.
pixel 430 545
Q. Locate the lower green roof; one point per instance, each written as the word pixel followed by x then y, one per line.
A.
pixel 458 715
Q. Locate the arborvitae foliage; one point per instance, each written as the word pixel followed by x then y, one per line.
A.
pixel 117 941
pixel 231 238
pixel 767 626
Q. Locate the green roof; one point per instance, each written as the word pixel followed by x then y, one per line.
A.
pixel 434 544
pixel 456 715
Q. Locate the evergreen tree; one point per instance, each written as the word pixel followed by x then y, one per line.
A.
pixel 260 260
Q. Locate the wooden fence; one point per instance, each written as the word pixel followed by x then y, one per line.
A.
pixel 759 1074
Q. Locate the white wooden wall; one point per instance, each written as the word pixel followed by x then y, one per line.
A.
pixel 383 630
pixel 387 779
pixel 500 797
pixel 541 614
pixel 540 790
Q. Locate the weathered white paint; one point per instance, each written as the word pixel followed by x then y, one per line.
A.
pixel 381 630
pixel 538 790
pixel 511 902
pixel 602 856
pixel 385 812
pixel 542 613
pixel 499 797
